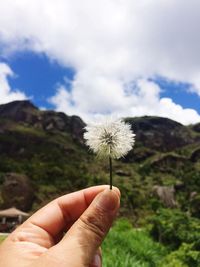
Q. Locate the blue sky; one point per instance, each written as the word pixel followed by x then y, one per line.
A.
pixel 37 76
pixel 125 58
pixel 179 93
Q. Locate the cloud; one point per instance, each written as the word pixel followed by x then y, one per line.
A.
pixel 6 93
pixel 112 45
pixel 143 98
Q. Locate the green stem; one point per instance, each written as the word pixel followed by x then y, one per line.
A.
pixel 110 164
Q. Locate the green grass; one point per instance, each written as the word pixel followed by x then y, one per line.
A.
pixel 129 247
pixel 29 130
pixel 2 237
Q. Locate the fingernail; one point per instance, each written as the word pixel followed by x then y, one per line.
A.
pixel 96 261
pixel 108 200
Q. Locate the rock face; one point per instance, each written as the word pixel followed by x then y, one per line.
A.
pixel 138 155
pixel 52 121
pixel 166 194
pixel 25 112
pixel 17 192
pixel 196 127
pixel 168 163
pixel 77 128
pixel 19 111
pixel 160 134
pixel 195 155
pixel 122 173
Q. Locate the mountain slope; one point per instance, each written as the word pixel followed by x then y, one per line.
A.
pixel 48 148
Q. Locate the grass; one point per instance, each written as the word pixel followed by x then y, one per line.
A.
pixel 2 237
pixel 29 130
pixel 128 247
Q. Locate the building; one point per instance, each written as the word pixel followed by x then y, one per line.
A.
pixel 11 218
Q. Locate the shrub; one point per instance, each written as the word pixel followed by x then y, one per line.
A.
pixel 185 256
pixel 173 227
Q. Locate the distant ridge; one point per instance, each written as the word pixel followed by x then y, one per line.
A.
pixel 15 106
pixel 24 112
pixel 153 132
pixel 15 109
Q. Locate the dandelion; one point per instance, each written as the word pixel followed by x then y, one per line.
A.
pixel 111 138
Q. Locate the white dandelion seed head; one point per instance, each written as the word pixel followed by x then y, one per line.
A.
pixel 110 138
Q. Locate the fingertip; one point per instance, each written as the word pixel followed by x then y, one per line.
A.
pixel 116 190
pixel 108 200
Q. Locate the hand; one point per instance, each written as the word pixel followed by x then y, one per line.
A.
pixel 86 216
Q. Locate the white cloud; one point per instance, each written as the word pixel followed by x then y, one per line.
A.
pixel 110 44
pixel 6 93
pixel 144 100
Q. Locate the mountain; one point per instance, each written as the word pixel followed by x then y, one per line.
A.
pixel 25 113
pixel 161 134
pixel 47 148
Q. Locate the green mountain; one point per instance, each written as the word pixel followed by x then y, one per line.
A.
pixel 43 155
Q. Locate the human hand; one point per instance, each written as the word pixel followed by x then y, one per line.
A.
pixel 86 216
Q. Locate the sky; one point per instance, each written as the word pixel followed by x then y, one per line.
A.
pixel 90 58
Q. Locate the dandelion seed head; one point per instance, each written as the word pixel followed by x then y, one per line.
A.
pixel 110 138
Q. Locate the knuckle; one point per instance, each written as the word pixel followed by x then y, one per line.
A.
pixel 95 224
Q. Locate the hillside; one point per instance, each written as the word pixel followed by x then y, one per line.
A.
pixel 47 148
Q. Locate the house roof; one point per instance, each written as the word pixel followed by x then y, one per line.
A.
pixel 13 212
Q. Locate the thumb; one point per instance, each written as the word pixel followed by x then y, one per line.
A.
pixel 87 234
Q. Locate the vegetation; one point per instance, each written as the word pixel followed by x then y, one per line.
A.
pixel 173 227
pixel 2 237
pixel 128 247
pixel 48 148
pixel 180 233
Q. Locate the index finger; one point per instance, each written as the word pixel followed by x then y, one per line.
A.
pixel 59 214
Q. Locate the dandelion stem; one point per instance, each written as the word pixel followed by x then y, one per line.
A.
pixel 110 164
